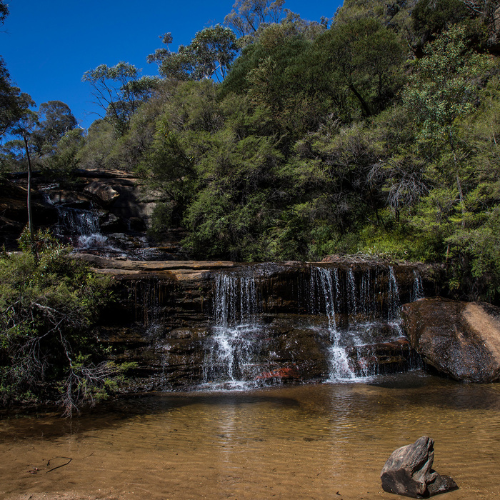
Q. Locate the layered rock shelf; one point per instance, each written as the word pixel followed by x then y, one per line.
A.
pixel 194 323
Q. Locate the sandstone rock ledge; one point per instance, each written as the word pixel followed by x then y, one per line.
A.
pixel 176 270
pixel 459 339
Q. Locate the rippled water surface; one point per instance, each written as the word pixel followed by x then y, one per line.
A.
pixel 303 442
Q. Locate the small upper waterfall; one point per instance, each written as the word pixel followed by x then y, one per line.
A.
pixel 82 226
pixel 418 288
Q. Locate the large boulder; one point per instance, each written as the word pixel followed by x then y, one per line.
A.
pixel 459 339
pixel 408 471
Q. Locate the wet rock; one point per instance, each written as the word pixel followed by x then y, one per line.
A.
pixel 384 357
pixel 408 471
pixel 67 198
pixel 110 223
pixel 459 339
pixel 166 321
pixel 288 372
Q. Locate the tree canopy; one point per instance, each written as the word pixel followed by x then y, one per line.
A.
pixel 273 137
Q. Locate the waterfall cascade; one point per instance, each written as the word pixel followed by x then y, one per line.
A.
pixel 231 355
pixel 81 226
pixel 349 312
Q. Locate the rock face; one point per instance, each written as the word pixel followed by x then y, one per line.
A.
pixel 119 197
pixel 187 323
pixel 408 471
pixel 14 214
pixel 459 339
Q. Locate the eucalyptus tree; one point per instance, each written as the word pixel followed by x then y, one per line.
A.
pixel 247 16
pixel 209 55
pixel 4 11
pixel 55 119
pixel 119 91
pixel 24 128
pixel 13 102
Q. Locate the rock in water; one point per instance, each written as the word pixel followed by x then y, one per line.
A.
pixel 409 471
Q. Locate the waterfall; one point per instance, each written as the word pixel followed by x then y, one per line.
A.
pixel 351 292
pixel 354 323
pixel 231 355
pixel 325 293
pixel 235 300
pixel 394 304
pixel 255 335
pixel 82 226
pixel 418 288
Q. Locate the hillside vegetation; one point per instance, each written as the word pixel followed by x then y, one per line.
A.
pixel 274 138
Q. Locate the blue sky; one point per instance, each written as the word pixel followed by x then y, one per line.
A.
pixel 48 45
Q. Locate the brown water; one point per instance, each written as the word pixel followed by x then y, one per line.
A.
pixel 312 441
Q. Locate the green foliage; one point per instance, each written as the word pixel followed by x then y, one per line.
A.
pixel 431 17
pixel 48 306
pixel 363 58
pixel 376 135
pixel 476 255
pixel 54 121
pixel 13 102
pixel 248 16
pixel 119 91
pixel 209 54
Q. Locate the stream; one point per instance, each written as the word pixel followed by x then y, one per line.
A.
pixel 318 441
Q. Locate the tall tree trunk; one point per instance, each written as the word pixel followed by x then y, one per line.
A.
pixel 30 211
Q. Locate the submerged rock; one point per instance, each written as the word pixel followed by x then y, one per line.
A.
pixel 408 471
pixel 459 339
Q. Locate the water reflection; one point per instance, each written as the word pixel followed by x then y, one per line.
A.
pixel 296 442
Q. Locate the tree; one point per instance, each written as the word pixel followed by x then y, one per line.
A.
pixel 4 11
pixel 248 16
pixel 54 120
pixel 24 128
pixel 362 57
pixel 13 102
pixel 431 17
pixel 444 87
pixel 119 91
pixel 209 54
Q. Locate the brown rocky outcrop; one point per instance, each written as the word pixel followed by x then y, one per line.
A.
pixel 120 196
pixel 105 193
pixel 459 339
pixel 165 317
pixel 120 193
pixel 408 471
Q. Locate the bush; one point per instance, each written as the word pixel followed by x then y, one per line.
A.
pixel 48 344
